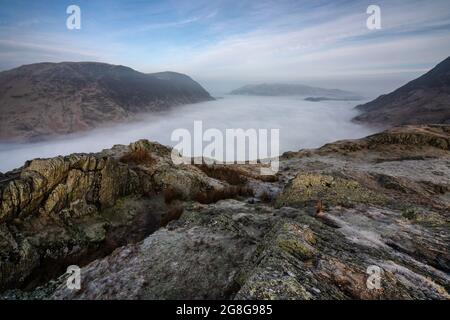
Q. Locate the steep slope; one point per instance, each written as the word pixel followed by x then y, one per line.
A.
pixel 425 100
pixel 46 99
pixel 280 89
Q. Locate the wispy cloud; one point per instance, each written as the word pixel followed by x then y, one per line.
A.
pixel 170 24
pixel 163 25
pixel 42 47
pixel 341 46
pixel 248 40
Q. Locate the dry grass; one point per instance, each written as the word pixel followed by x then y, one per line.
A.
pixel 172 214
pixel 226 193
pixel 266 197
pixel 269 178
pixel 138 157
pixel 223 173
pixel 319 208
pixel 171 194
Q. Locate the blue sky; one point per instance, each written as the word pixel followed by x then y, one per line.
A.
pixel 226 43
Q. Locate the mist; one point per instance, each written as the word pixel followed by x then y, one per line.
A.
pixel 302 124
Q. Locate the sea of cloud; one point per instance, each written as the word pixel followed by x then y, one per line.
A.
pixel 301 124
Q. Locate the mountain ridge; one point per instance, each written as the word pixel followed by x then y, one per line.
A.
pixel 424 100
pixel 49 99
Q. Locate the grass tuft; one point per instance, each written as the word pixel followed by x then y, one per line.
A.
pixel 172 214
pixel 230 192
pixel 138 157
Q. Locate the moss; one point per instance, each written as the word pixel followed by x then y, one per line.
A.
pixel 296 248
pixel 295 240
pixel 410 214
pixel 433 220
pixel 270 274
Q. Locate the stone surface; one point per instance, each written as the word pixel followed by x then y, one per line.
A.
pixel 65 209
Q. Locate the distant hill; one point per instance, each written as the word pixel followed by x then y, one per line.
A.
pixel 47 99
pixel 425 100
pixel 280 89
pixel 318 99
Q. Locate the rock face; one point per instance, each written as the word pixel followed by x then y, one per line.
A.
pixel 421 101
pixel 75 208
pixel 332 215
pixel 46 99
pixel 280 89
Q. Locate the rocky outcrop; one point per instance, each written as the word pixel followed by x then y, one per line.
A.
pixel 48 99
pixel 424 100
pixel 318 231
pixel 75 208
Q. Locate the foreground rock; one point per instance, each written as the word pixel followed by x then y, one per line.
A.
pixel 333 212
pixel 54 212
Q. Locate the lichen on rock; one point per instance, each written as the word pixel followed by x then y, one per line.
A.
pixel 308 188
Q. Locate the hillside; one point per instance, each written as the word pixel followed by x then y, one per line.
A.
pixel 48 99
pixel 424 100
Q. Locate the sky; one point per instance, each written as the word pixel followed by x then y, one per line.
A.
pixel 224 44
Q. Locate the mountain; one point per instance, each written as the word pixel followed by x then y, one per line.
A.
pixel 47 99
pixel 310 232
pixel 425 100
pixel 279 89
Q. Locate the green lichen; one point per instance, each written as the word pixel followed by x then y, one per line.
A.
pixel 293 246
pixel 410 214
pixel 306 188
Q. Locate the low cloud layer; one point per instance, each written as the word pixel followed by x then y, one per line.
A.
pixel 302 124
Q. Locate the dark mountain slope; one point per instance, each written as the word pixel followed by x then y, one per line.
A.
pixel 47 99
pixel 425 100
